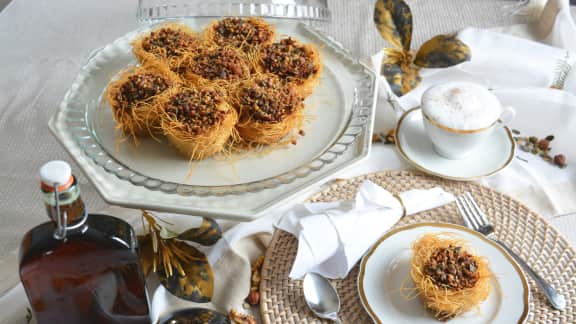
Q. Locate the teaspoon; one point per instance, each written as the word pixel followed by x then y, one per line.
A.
pixel 321 297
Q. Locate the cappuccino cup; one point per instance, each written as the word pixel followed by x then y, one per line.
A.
pixel 459 116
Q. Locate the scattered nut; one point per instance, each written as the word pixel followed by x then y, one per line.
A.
pixel 560 160
pixel 544 144
pixel 253 298
pixel 241 318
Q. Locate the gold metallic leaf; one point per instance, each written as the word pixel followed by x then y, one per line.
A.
pixel 146 253
pixel 442 51
pixel 207 234
pixel 401 74
pixel 194 316
pixel 185 272
pixel 393 19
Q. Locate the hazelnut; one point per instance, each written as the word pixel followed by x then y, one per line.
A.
pixel 544 144
pixel 560 160
pixel 253 298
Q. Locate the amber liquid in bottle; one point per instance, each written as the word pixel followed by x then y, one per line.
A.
pixel 93 275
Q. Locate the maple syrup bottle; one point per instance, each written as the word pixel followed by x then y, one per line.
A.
pixel 79 267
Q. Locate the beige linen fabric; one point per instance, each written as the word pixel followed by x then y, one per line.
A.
pixel 44 44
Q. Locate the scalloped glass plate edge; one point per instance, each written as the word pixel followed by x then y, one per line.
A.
pixel 360 122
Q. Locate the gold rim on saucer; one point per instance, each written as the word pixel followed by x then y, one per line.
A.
pixel 424 169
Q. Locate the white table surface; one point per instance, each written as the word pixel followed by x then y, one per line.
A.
pixel 45 42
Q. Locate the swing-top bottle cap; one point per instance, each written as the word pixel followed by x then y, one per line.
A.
pixel 56 172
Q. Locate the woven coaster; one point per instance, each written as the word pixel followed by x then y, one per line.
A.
pixel 528 234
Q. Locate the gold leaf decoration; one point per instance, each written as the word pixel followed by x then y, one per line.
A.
pixel 207 234
pixel 393 19
pixel 401 74
pixel 181 268
pixel 194 316
pixel 190 278
pixel 146 254
pixel 442 51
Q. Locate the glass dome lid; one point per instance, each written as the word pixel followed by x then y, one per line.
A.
pixel 153 11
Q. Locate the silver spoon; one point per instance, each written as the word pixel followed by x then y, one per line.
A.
pixel 321 297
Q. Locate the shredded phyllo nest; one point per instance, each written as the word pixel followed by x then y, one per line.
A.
pixel 448 278
pixel 290 60
pixel 140 87
pixel 220 63
pixel 197 109
pixel 242 33
pixel 134 98
pixel 267 99
pixel 452 267
pixel 207 92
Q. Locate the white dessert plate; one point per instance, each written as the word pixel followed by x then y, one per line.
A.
pixel 492 156
pixel 386 267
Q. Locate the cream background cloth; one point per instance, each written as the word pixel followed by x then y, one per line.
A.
pixel 44 43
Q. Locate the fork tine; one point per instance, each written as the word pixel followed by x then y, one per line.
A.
pixel 463 213
pixel 474 215
pixel 475 206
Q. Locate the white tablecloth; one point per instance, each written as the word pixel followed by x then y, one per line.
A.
pixel 43 44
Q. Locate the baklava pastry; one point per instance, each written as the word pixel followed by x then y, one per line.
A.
pixel 170 43
pixel 198 122
pixel 448 278
pixel 247 34
pixel 293 62
pixel 134 98
pixel 223 65
pixel 269 109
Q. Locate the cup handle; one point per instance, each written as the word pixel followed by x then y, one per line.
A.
pixel 508 114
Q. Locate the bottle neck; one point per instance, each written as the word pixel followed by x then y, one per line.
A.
pixel 70 202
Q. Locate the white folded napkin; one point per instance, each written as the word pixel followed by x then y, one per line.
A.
pixel 332 237
pixel 504 61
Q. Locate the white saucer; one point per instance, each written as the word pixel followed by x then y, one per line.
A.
pixel 490 157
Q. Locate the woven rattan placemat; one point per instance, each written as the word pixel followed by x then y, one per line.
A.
pixel 528 234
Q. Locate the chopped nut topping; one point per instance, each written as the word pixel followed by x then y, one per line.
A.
pixel 174 42
pixel 267 99
pixel 197 109
pixel 140 87
pixel 289 59
pixel 452 268
pixel 239 32
pixel 220 63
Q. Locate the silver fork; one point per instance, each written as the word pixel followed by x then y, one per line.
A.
pixel 477 220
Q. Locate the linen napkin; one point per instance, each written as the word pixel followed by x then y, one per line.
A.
pixel 332 237
pixel 506 61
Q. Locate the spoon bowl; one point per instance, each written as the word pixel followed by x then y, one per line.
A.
pixel 321 297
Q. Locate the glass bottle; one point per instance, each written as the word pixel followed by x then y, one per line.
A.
pixel 79 267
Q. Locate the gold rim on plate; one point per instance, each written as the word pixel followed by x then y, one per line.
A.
pixel 388 234
pixel 424 169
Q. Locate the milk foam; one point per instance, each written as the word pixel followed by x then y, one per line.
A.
pixel 461 105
